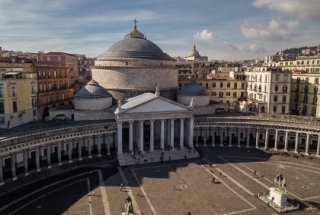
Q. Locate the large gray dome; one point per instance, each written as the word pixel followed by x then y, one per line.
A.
pixel 92 90
pixel 135 45
pixel 192 89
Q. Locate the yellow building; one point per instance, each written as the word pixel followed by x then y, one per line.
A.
pixel 223 87
pixel 18 88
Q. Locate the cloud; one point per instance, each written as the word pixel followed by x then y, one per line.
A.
pixel 301 8
pixel 204 35
pixel 274 30
pixel 251 48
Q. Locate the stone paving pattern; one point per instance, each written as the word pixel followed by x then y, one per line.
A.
pixel 177 187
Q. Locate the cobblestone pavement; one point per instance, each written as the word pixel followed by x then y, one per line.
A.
pixel 223 181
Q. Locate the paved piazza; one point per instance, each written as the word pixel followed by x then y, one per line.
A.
pixel 172 188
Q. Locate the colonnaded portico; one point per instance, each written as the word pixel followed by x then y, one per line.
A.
pixel 41 150
pixel 164 132
pixel 276 134
pixel 153 126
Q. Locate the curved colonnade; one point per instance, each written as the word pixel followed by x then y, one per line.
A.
pixel 42 150
pixel 252 131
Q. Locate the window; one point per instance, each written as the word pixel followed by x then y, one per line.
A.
pixel 228 84
pixel 213 84
pixel 276 88
pixel 242 85
pixel 14 106
pixel 13 91
pixel 220 94
pixel 1 108
pixel 284 99
pixel 221 84
pixel 277 77
pixel 316 81
pixel 1 91
pixel 33 89
pixel 227 93
pixel 235 86
pixel 275 98
pixel 234 94
pixel 33 103
pixel 283 109
pixel 274 109
pixel 214 94
pixel 285 88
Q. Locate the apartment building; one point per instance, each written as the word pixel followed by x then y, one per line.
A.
pixel 268 90
pixel 18 93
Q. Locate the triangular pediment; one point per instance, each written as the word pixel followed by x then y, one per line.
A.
pixel 157 105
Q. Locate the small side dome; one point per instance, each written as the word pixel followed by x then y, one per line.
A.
pixel 193 89
pixel 193 92
pixel 92 90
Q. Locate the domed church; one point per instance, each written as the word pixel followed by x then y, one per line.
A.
pixel 134 65
pixel 151 124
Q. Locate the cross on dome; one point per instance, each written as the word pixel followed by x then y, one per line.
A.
pixel 135 23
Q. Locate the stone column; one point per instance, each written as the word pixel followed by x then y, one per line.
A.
pixel 25 161
pixel 13 166
pixel 248 138
pixel 276 140
pixel 221 136
pixel 266 140
pixel 162 135
pixel 286 142
pixel 191 124
pixel 1 172
pixel 90 140
pixel 70 145
pixel 108 142
pixel 119 133
pixel 99 139
pixel 38 169
pixel 230 137
pixel 141 140
pixel 307 144
pixel 239 137
pixel 318 146
pixel 49 156
pixel 59 154
pixel 197 136
pixel 79 149
pixel 181 133
pixel 257 139
pixel 130 136
pixel 296 143
pixel 213 140
pixel 204 132
pixel 172 134
pixel 151 135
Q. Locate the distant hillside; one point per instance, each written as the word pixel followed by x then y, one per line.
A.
pixel 295 51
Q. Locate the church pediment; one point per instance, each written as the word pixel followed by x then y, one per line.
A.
pixel 149 103
pixel 157 105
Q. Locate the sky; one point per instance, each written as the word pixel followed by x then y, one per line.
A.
pixel 221 29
